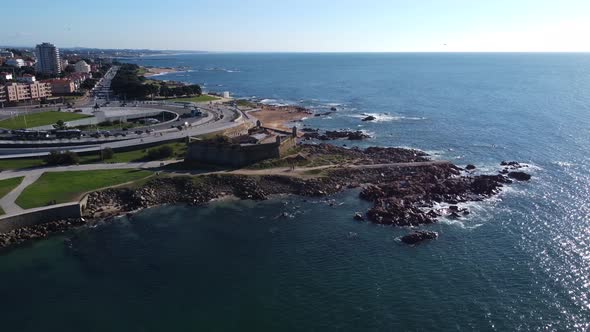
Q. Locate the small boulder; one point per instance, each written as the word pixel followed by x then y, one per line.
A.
pixel 359 216
pixel 454 215
pixel 370 118
pixel 419 236
pixel 470 167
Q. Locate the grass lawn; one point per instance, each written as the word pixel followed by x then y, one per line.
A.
pixel 119 157
pixel 66 187
pixel 20 163
pixel 179 149
pixel 39 119
pixel 195 99
pixel 7 185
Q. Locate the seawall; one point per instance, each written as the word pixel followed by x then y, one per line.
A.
pixel 39 216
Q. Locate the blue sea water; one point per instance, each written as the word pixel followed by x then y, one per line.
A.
pixel 520 261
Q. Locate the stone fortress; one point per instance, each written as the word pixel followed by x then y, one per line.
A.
pixel 242 146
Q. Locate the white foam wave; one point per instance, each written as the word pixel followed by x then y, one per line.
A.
pixel 563 163
pixel 221 69
pixel 275 102
pixel 386 117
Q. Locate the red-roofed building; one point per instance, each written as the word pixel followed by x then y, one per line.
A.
pixel 61 86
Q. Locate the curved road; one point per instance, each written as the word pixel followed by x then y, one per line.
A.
pixel 220 118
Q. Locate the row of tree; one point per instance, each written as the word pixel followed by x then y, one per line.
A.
pixel 175 91
pixel 128 83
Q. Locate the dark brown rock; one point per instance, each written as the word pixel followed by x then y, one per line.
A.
pixel 419 236
pixel 519 176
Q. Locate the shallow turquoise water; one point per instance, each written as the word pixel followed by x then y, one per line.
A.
pixel 519 262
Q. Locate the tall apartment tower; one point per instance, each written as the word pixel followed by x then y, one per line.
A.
pixel 48 61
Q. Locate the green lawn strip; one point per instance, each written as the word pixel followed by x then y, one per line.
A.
pixel 139 155
pixel 63 187
pixel 20 163
pixel 7 185
pixel 119 157
pixel 39 119
pixel 195 99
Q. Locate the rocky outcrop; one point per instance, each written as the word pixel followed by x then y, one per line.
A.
pixel 369 118
pixel 333 135
pixel 519 176
pixel 401 194
pixel 419 236
pixel 31 233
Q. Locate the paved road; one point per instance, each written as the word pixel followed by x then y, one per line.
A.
pixel 215 122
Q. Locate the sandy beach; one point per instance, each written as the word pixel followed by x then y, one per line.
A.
pixel 152 71
pixel 280 117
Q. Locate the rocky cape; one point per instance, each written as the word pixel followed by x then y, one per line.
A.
pixel 403 185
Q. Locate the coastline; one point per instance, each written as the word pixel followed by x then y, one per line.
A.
pixel 158 71
pixel 279 117
pixel 399 182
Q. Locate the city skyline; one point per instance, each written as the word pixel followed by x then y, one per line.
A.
pixel 307 26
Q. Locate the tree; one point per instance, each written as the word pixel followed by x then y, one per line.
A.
pixel 107 153
pixel 165 91
pixel 162 152
pixel 186 90
pixel 27 70
pixel 178 91
pixel 88 84
pixel 196 89
pixel 70 69
pixel 60 125
pixel 55 158
pixel 153 89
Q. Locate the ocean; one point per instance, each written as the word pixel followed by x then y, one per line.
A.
pixel 519 262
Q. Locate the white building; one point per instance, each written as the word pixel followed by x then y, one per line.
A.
pixel 15 62
pixel 6 54
pixel 82 67
pixel 48 60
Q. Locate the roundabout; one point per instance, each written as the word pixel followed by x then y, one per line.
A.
pixel 120 128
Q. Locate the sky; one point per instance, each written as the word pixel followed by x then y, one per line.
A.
pixel 304 25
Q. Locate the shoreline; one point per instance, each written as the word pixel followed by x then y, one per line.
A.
pixel 404 185
pixel 279 117
pixel 158 71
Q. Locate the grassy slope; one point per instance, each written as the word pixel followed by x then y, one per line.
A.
pixel 20 163
pixel 119 157
pixel 39 119
pixel 68 186
pixel 7 185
